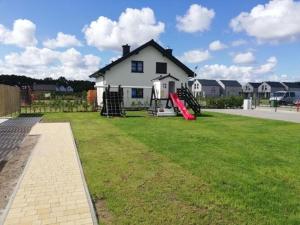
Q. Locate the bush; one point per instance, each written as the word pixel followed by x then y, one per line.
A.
pixel 224 102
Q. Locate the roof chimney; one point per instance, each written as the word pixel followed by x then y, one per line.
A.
pixel 169 51
pixel 126 49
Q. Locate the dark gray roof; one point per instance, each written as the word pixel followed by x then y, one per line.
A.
pixel 255 84
pixel 206 82
pixel 231 83
pixel 190 83
pixel 275 84
pixel 152 43
pixel 44 87
pixel 292 84
pixel 161 77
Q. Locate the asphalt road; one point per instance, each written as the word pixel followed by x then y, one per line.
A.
pixel 290 116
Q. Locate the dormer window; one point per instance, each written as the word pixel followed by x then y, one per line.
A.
pixel 137 66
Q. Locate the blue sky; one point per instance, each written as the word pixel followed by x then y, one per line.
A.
pixel 268 34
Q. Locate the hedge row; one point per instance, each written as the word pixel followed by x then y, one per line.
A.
pixel 224 102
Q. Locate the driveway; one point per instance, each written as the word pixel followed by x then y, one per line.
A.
pixel 262 113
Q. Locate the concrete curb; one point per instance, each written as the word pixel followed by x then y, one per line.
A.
pixel 91 206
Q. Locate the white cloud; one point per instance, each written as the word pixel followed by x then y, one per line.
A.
pixel 195 56
pixel 22 34
pixel 240 73
pixel 239 42
pixel 61 41
pixel 134 27
pixel 244 58
pixel 275 21
pixel 217 46
pixel 44 62
pixel 114 58
pixel 268 66
pixel 196 19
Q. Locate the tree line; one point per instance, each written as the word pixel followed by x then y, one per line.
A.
pixel 18 80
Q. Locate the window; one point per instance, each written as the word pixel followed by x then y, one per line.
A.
pixel 292 94
pixel 137 92
pixel 137 66
pixel 164 85
pixel 161 67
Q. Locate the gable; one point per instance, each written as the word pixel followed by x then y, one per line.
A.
pixel 164 52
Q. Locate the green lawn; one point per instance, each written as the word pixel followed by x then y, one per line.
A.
pixel 220 169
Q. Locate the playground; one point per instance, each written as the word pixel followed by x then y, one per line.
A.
pixel 218 169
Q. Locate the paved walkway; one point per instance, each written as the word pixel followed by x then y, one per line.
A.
pixel 52 190
pixel 264 113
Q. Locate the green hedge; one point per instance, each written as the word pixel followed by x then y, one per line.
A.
pixel 224 102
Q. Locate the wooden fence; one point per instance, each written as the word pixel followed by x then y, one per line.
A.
pixel 9 100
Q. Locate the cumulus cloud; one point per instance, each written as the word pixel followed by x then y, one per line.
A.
pixel 217 46
pixel 273 22
pixel 61 41
pixel 241 73
pixel 244 58
pixel 239 42
pixel 196 19
pixel 268 66
pixel 22 34
pixel 44 62
pixel 195 56
pixel 134 27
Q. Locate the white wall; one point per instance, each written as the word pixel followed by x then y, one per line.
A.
pixel 121 74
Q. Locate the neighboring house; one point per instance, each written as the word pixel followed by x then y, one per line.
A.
pixel 137 70
pixel 69 89
pixel 251 89
pixel 43 89
pixel 64 89
pixel 206 88
pixel 291 86
pixel 230 88
pixel 269 87
pixel 61 88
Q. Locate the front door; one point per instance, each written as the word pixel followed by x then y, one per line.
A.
pixel 171 87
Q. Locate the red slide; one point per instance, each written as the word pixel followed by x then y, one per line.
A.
pixel 181 107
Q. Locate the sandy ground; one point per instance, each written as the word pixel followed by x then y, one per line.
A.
pixel 11 170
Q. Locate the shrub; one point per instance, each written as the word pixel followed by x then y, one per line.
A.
pixel 224 102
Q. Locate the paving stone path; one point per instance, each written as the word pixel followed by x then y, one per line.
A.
pixel 13 132
pixel 52 190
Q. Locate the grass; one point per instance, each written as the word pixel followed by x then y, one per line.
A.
pixel 220 169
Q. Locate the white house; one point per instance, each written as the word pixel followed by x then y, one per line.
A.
pixel 137 70
pixel 251 89
pixel 267 88
pixel 205 88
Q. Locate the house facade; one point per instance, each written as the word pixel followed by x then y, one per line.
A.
pixel 137 70
pixel 267 88
pixel 251 89
pixel 230 88
pixel 205 88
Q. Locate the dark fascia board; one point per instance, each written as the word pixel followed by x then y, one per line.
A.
pixel 163 77
pixel 152 43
